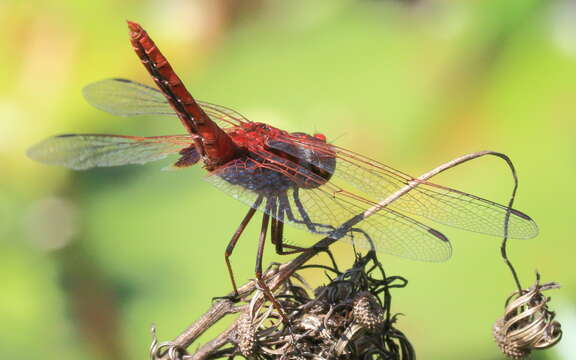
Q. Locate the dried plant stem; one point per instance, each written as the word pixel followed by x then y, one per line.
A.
pixel 276 277
pixel 215 313
pixel 214 344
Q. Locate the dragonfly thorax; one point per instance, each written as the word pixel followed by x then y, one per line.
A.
pixel 272 160
pixel 315 162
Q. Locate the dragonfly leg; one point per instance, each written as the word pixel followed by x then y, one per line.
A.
pixel 277 225
pixel 234 240
pixel 278 238
pixel 312 226
pixel 259 278
pixel 306 221
pixel 277 235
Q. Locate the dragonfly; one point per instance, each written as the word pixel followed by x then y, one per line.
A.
pixel 290 177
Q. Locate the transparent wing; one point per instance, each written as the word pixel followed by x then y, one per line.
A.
pixel 222 115
pixel 81 152
pixel 326 209
pixel 437 203
pixel 128 98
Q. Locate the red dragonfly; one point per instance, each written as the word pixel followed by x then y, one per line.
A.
pixel 292 178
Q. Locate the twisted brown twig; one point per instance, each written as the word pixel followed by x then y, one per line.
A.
pixel 527 323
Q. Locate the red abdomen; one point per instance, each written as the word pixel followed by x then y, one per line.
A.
pixel 213 144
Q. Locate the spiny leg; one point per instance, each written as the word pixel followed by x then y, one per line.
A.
pixel 234 240
pixel 311 226
pixel 278 233
pixel 275 214
pixel 300 207
pixel 259 278
pixel 277 227
pixel 317 228
pixel 332 231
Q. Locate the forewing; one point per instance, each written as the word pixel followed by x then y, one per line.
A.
pixel 81 152
pixel 326 209
pixel 437 203
pixel 124 97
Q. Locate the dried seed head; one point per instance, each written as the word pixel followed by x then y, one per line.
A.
pixel 292 357
pixel 310 322
pixel 344 321
pixel 319 307
pixel 246 336
pixel 527 323
pixel 508 348
pixel 367 310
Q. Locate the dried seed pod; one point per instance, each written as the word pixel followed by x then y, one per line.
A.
pixel 246 336
pixel 367 310
pixel 319 307
pixel 310 322
pixel 344 321
pixel 292 357
pixel 527 323
pixel 509 349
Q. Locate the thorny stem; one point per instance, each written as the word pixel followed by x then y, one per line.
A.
pixel 276 277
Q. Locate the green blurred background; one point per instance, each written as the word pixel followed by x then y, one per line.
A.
pixel 88 260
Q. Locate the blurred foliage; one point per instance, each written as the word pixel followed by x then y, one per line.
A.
pixel 89 260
